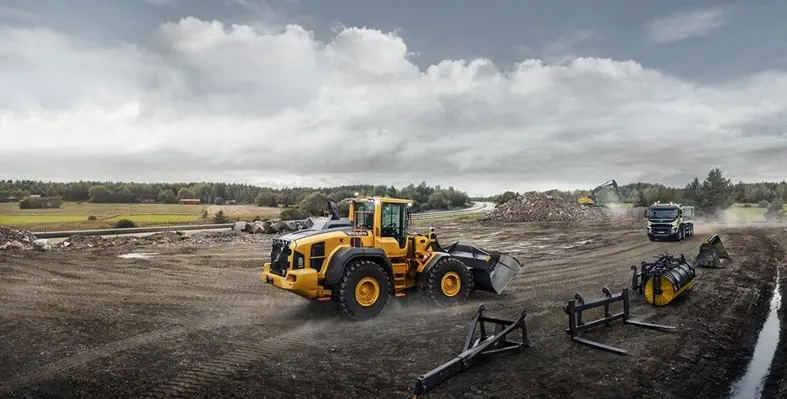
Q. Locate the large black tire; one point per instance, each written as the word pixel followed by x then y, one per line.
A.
pixel 449 270
pixel 372 278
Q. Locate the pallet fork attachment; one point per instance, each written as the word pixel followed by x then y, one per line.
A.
pixel 476 349
pixel 576 325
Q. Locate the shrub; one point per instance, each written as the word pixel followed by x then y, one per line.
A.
pixel 293 214
pixel 40 203
pixel 220 217
pixel 125 224
pixel 763 204
pixel 92 217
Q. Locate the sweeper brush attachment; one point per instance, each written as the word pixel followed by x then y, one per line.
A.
pixel 712 253
pixel 664 279
pixel 476 349
pixel 576 325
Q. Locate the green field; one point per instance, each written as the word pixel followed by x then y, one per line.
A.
pixel 73 215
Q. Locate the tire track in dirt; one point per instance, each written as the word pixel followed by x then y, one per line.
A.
pixel 58 367
pixel 190 382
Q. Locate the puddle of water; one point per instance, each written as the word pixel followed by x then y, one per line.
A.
pixel 138 255
pixel 751 384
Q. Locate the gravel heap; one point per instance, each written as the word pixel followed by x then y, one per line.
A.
pixel 21 240
pixel 539 207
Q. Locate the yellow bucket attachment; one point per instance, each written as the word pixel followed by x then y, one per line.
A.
pixel 662 280
pixel 712 253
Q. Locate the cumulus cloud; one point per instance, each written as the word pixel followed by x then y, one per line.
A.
pixel 206 101
pixel 684 25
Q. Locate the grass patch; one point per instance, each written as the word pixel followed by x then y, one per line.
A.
pixel 74 216
pixel 422 222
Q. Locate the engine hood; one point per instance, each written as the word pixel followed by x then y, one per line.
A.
pixel 313 232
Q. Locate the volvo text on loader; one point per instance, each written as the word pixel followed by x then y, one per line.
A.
pixel 361 264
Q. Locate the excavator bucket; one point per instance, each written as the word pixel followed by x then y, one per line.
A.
pixel 712 253
pixel 492 271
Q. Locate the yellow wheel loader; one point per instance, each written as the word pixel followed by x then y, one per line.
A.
pixel 360 263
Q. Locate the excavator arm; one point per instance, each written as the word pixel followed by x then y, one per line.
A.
pixel 611 183
pixel 591 197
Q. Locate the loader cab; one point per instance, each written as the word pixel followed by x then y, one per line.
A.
pixel 387 218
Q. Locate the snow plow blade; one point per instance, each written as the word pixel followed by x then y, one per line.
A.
pixel 712 253
pixel 492 271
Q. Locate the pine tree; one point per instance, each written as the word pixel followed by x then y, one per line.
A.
pixel 715 194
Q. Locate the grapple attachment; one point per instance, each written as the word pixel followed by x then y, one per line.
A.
pixel 664 279
pixel 492 271
pixel 712 253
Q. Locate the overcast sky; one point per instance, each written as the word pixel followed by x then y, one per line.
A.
pixel 485 96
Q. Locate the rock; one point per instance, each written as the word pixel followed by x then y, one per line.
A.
pixel 258 228
pixel 281 226
pixel 268 228
pixel 41 245
pixel 11 245
pixel 291 225
pixel 240 226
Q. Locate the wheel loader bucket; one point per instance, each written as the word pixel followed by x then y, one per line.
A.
pixel 712 253
pixel 492 271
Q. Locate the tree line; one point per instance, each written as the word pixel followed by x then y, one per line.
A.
pixel 709 196
pixel 304 199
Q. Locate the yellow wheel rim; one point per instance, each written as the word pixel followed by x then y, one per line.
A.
pixel 367 291
pixel 451 283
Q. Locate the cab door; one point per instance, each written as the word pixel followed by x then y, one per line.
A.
pixel 392 232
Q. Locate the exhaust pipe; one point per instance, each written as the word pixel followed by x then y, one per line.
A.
pixel 492 271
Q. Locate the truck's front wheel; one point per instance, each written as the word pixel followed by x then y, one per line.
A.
pixel 363 290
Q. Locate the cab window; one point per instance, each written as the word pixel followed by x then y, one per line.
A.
pixel 394 222
pixel 364 216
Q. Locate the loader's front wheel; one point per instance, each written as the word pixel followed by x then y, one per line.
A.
pixel 448 282
pixel 363 290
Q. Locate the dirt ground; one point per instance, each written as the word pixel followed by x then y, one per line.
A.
pixel 196 322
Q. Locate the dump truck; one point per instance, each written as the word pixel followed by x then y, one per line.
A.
pixel 670 220
pixel 361 266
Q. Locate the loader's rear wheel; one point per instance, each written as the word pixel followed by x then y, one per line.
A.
pixel 363 290
pixel 448 282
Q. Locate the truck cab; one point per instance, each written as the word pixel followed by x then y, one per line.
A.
pixel 670 220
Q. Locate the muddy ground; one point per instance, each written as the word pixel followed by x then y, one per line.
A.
pixel 196 322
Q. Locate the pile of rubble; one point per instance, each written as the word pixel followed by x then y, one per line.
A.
pixel 539 207
pixel 78 242
pixel 23 240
